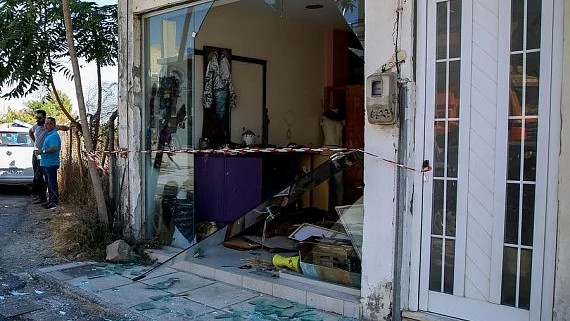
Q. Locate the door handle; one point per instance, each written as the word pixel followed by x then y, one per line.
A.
pixel 425 166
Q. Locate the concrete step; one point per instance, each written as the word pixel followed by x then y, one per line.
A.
pixel 314 293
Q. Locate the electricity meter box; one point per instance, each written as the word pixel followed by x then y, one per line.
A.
pixel 382 98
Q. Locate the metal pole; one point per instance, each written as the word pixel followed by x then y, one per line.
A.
pixel 401 185
pixel 70 147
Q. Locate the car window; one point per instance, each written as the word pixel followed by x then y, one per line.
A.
pixel 15 139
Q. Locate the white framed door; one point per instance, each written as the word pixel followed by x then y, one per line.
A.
pixel 487 112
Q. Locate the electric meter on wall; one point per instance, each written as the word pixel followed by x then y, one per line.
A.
pixel 382 98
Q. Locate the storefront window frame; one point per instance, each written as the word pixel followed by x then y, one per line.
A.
pixel 146 228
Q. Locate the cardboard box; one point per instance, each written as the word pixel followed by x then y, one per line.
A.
pixel 336 262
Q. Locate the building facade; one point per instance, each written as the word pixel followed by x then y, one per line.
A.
pixel 479 237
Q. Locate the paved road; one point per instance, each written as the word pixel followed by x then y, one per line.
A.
pixel 24 247
pixel 13 207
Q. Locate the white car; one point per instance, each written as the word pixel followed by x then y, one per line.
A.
pixel 16 149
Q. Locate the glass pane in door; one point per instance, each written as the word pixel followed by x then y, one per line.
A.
pixel 446 146
pixel 522 152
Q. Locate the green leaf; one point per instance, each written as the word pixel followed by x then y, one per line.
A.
pixel 33 31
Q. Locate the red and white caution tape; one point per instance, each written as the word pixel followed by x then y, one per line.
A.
pixel 95 157
pixel 233 151
pixel 423 170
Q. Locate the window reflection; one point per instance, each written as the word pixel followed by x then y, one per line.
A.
pixel 509 279
pixel 451 206
pixel 446 145
pixel 517 24
pixel 435 275
pixel 437 208
pixel 353 13
pixel 441 30
pixel 454 29
pixel 449 266
pixel 533 21
pixel 522 152
pixel 512 214
pixel 168 52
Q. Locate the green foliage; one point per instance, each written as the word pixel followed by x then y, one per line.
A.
pixel 33 43
pixel 49 104
pixel 21 114
pixel 97 37
pixel 51 107
pixel 26 43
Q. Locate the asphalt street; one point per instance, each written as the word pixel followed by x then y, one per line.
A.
pixel 13 207
pixel 24 248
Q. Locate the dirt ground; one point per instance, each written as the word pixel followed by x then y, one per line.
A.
pixel 24 248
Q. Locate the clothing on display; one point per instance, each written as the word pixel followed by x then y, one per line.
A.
pixel 218 95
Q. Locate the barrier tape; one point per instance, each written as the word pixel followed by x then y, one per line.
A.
pixel 423 170
pixel 95 156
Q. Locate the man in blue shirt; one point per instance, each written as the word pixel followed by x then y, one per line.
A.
pixel 50 161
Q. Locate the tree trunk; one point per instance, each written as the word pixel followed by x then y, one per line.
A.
pixel 97 116
pixel 112 158
pixel 56 95
pixel 51 82
pixel 95 179
pixel 79 155
pixel 70 149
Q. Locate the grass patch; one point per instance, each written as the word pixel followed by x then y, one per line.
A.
pixel 79 233
pixel 76 231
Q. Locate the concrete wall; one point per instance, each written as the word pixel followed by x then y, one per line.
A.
pixel 562 280
pixel 380 195
pixel 130 117
pixel 295 55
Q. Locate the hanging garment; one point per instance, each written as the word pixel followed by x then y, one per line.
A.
pixel 218 95
pixel 211 80
pixel 226 80
pixel 218 78
pixel 222 111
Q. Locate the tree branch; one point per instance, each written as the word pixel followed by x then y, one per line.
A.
pixel 58 99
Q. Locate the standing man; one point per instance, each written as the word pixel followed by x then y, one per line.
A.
pixel 50 160
pixel 38 133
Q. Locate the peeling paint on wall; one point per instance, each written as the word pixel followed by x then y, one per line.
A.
pixel 562 304
pixel 378 305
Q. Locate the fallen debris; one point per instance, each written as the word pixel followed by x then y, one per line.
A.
pixel 145 306
pixel 11 282
pixel 164 285
pixel 12 308
pixel 17 293
pixel 119 252
pixel 282 309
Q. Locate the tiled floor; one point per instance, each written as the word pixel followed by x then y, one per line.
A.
pixel 185 296
pixel 223 265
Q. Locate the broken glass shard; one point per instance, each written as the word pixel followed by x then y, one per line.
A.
pixel 277 5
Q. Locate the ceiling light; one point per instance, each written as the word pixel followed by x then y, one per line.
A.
pixel 314 6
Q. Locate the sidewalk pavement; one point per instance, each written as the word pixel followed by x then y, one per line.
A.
pixel 171 294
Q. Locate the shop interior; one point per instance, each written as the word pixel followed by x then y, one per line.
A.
pixel 272 77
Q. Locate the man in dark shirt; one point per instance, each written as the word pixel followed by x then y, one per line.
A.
pixel 38 133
